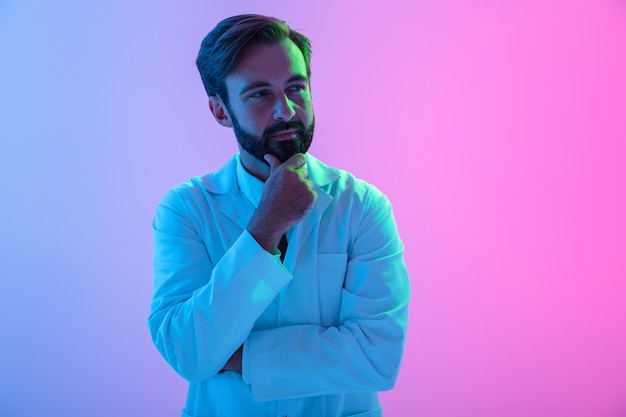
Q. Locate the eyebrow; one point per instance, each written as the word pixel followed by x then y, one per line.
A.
pixel 259 84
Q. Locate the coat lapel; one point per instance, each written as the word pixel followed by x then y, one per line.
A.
pixel 223 184
pixel 235 207
pixel 304 229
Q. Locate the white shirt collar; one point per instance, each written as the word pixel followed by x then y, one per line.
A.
pixel 251 187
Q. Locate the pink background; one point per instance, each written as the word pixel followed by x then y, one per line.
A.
pixel 497 128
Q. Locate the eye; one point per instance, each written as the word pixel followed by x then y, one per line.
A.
pixel 259 94
pixel 296 87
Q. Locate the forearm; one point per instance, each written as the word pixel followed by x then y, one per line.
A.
pixel 354 357
pixel 359 352
pixel 198 328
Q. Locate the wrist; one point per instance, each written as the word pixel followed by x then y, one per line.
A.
pixel 234 362
pixel 267 237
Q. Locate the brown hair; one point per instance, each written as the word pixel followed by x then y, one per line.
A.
pixel 222 46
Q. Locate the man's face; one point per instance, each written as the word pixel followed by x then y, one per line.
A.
pixel 269 101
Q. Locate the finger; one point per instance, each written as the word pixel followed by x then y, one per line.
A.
pixel 311 186
pixel 272 160
pixel 302 172
pixel 296 161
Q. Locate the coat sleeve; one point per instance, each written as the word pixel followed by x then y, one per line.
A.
pixel 202 309
pixel 362 353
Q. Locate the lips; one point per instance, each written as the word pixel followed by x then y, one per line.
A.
pixel 285 134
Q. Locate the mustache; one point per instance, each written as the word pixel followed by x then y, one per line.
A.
pixel 279 127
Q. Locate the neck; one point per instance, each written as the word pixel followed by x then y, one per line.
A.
pixel 255 167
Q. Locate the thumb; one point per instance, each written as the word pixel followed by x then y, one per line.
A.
pixel 272 160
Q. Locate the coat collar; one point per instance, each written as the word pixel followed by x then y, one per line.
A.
pixel 234 205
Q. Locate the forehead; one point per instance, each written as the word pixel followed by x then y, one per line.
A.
pixel 273 63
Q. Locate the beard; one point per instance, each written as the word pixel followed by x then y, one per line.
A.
pixel 281 149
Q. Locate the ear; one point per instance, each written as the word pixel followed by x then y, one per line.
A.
pixel 218 108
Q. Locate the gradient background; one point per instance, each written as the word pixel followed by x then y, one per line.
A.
pixel 497 129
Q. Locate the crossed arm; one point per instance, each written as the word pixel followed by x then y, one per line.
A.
pixel 204 311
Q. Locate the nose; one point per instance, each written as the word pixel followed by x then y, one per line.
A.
pixel 284 108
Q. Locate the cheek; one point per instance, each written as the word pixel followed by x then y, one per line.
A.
pixel 306 106
pixel 253 119
pixel 309 112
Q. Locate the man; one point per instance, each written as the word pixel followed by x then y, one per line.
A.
pixel 280 287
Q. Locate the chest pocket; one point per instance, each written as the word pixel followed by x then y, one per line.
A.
pixel 331 273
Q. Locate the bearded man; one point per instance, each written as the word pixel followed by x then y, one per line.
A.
pixel 280 287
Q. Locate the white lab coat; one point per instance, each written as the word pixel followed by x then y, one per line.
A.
pixel 322 334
